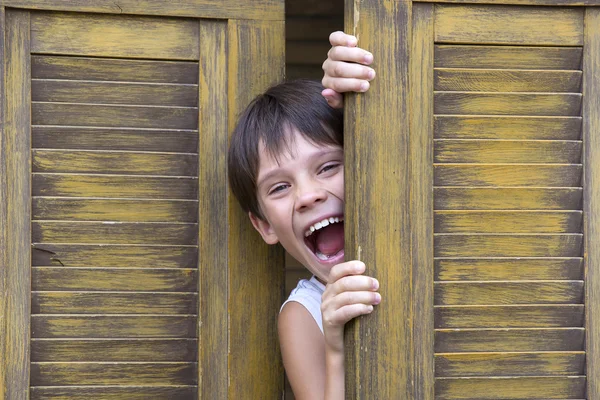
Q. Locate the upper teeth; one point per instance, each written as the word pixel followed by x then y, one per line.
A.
pixel 322 224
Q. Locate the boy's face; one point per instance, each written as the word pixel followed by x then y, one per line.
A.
pixel 297 194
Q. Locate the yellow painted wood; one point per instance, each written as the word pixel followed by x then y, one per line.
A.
pixel 544 175
pixel 503 269
pixel 113 326
pixel 528 2
pixel 507 57
pixel 114 36
pixel 104 350
pixel 478 103
pixel 113 69
pixel 507 127
pixel 113 303
pixel 44 255
pixel 117 186
pixel 157 374
pixel 114 393
pixel 517 316
pixel 503 24
pixel 555 387
pixel 591 208
pixel 497 293
pixel 506 80
pixel 514 198
pixel 508 221
pixel 510 364
pixel 15 192
pixel 223 9
pixel 507 245
pixel 118 279
pixel 421 199
pixel 507 340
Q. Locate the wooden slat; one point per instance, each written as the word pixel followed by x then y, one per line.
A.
pixel 155 350
pixel 479 103
pixel 113 392
pixel 119 116
pixel 497 293
pixel 473 340
pixel 113 326
pixel 473 198
pixel 114 232
pixel 545 175
pixel 509 364
pixel 508 221
pixel 518 316
pixel 511 57
pixel 69 209
pixel 506 80
pixel 114 256
pixel 114 93
pixel 107 69
pixel 117 279
pixel 489 245
pixel 507 127
pixel 502 269
pixel 569 3
pixel 106 373
pixel 114 36
pixel 555 387
pixel 113 303
pixel 223 9
pixel 508 25
pixel 121 162
pixel 507 151
pixel 115 186
pixel 15 194
pixel 591 204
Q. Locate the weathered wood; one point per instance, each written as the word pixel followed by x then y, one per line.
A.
pixel 544 175
pixel 514 198
pixel 527 2
pixel 507 127
pixel 15 191
pixel 223 9
pixel 115 186
pixel 476 24
pixel 4 233
pixel 497 293
pixel 373 236
pixel 118 279
pixel 106 373
pixel 477 103
pixel 255 58
pixel 421 199
pixel 107 69
pixel 511 57
pixel 506 340
pixel 114 392
pixel 503 269
pixel 591 188
pixel 510 364
pixel 86 350
pixel 523 245
pixel 114 36
pixel 507 151
pixel 506 80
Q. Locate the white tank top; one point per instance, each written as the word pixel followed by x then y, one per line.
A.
pixel 308 292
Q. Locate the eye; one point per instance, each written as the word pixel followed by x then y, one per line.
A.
pixel 278 188
pixel 329 167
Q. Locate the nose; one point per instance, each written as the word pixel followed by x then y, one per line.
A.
pixel 309 194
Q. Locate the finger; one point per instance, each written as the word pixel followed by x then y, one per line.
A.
pixel 348 298
pixel 346 313
pixel 350 54
pixel 353 267
pixel 339 38
pixel 342 85
pixel 353 283
pixel 334 99
pixel 340 69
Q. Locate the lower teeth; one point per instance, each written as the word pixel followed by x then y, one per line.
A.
pixel 321 256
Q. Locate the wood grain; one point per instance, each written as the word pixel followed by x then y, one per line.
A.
pixel 4 188
pixel 114 392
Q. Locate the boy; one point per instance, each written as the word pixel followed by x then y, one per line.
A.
pixel 286 169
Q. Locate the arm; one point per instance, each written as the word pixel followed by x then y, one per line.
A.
pixel 346 68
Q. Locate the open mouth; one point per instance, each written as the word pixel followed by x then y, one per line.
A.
pixel 326 238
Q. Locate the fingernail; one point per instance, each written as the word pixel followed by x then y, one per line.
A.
pixel 377 298
pixel 368 58
pixel 375 284
pixel 371 74
pixel 369 308
pixel 364 86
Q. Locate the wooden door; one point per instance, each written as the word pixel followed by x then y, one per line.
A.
pixel 481 137
pixel 127 269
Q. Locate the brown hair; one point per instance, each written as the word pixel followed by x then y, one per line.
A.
pixel 267 119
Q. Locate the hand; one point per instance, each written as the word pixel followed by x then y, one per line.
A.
pixel 348 295
pixel 345 69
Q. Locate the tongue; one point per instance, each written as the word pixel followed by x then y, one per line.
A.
pixel 331 239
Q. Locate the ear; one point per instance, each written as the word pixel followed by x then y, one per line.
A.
pixel 264 228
